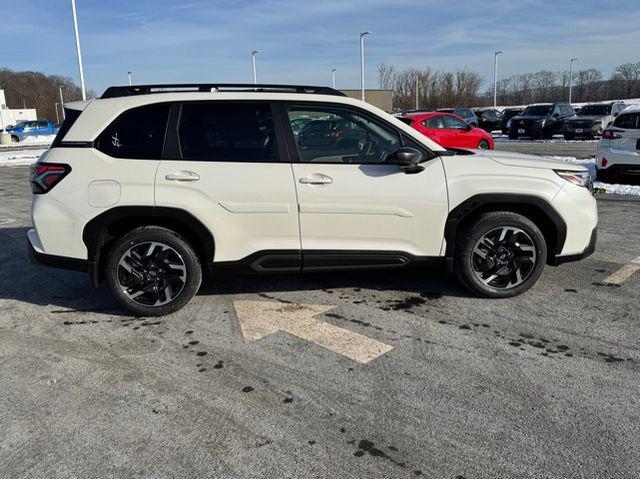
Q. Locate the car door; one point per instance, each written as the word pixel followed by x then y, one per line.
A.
pixel 230 171
pixel 460 134
pixel 354 200
pixel 434 127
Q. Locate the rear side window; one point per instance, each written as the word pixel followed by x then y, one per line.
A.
pixel 70 117
pixel 216 131
pixel 628 121
pixel 408 121
pixel 434 123
pixel 137 133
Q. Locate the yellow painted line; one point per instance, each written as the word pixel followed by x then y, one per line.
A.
pixel 623 273
pixel 259 319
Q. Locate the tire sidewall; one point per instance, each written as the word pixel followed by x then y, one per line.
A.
pixel 162 235
pixel 486 223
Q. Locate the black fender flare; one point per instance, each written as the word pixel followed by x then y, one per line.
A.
pixel 486 201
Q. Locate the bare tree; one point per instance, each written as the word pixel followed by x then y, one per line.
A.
pixel 589 82
pixel 627 76
pixel 544 81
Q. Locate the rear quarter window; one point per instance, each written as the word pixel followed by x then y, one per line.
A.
pixel 70 117
pixel 137 133
pixel 628 121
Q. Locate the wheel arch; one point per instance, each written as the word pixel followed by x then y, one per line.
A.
pixel 537 209
pixel 101 231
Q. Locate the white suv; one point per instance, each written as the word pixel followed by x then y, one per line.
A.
pixel 619 147
pixel 148 187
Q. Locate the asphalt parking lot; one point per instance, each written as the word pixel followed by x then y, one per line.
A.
pixel 240 383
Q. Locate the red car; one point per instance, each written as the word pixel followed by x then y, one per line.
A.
pixel 448 130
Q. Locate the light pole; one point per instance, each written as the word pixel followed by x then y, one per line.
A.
pixel 253 64
pixel 62 104
pixel 417 98
pixel 333 78
pixel 571 76
pixel 362 35
pixel 75 27
pixel 130 75
pixel 57 115
pixel 495 77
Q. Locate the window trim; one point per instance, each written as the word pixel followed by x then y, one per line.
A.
pixel 292 145
pixel 173 148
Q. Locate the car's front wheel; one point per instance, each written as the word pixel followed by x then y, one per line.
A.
pixel 153 271
pixel 500 255
pixel 483 145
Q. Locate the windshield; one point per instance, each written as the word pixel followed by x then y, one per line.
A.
pixel 595 110
pixel 22 124
pixel 538 110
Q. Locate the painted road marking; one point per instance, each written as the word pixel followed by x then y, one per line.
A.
pixel 623 273
pixel 259 319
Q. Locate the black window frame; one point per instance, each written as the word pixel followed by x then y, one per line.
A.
pixel 622 116
pixel 292 146
pixel 173 149
pixel 96 144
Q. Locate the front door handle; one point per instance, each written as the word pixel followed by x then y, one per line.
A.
pixel 183 175
pixel 316 179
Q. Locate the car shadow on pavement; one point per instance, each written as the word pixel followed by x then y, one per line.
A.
pixel 67 291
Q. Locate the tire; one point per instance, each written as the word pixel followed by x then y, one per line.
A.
pixel 513 136
pixel 145 268
pixel 15 139
pixel 483 145
pixel 503 271
pixel 606 176
pixel 569 137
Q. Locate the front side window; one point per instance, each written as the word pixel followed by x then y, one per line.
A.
pixel 342 135
pixel 221 131
pixel 137 133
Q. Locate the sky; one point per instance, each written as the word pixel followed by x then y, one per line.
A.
pixel 300 41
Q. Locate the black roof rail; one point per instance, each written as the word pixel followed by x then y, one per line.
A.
pixel 122 91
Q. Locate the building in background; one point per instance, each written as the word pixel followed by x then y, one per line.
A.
pixel 383 99
pixel 10 117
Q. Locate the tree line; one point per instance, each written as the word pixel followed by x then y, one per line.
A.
pixel 39 91
pixel 440 89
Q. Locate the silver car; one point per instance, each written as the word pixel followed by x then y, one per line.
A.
pixel 592 120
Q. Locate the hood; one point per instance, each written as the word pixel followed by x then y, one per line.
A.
pixel 590 117
pixel 529 161
pixel 528 117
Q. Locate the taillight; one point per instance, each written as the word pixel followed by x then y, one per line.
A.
pixel 604 162
pixel 44 176
pixel 610 135
pixel 336 134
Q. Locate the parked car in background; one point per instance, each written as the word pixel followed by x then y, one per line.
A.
pixel 489 119
pixel 448 130
pixel 592 120
pixel 540 121
pixel 619 147
pixel 25 129
pixel 507 114
pixel 466 114
pixel 330 133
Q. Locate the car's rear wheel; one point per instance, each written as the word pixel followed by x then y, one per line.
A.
pixel 513 136
pixel 606 176
pixel 569 136
pixel 153 271
pixel 483 145
pixel 501 255
pixel 15 138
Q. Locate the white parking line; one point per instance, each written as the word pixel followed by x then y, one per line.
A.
pixel 623 273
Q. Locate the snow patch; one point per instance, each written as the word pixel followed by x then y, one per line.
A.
pixel 45 140
pixel 20 157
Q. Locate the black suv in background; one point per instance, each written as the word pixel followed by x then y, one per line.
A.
pixel 540 121
pixel 489 119
pixel 507 114
pixel 592 120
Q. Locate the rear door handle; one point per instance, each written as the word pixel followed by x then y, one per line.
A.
pixel 316 179
pixel 183 175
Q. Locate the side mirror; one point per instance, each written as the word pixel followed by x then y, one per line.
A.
pixel 616 113
pixel 556 115
pixel 408 159
pixel 469 127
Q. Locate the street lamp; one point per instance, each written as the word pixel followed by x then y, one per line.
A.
pixel 62 104
pixel 75 27
pixel 571 76
pixel 57 115
pixel 333 78
pixel 362 35
pixel 495 77
pixel 130 75
pixel 253 64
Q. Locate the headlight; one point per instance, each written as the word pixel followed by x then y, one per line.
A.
pixel 578 178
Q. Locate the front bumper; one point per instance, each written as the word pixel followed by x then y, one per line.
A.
pixel 529 129
pixel 582 130
pixel 588 251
